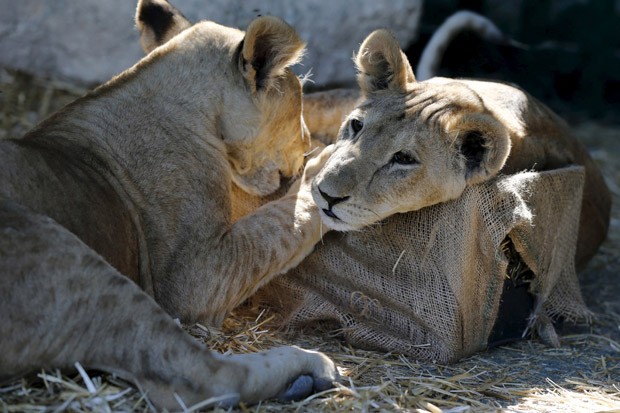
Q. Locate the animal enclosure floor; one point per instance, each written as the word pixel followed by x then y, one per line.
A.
pixel 583 375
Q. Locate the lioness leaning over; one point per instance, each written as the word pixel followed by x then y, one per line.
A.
pixel 135 179
pixel 413 144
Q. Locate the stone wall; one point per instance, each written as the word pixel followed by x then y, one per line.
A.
pixel 89 41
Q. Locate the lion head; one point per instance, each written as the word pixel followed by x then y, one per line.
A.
pixel 408 144
pixel 259 113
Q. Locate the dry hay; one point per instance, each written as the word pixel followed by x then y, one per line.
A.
pixel 581 376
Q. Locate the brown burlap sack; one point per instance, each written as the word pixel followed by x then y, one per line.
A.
pixel 429 283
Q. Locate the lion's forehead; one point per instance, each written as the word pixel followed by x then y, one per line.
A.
pixel 425 118
pixel 453 97
pixel 382 116
pixel 426 105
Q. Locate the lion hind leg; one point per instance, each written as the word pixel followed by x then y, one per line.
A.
pixel 62 303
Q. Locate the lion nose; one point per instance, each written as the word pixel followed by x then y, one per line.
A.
pixel 331 201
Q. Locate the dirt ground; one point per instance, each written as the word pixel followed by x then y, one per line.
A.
pixel 583 375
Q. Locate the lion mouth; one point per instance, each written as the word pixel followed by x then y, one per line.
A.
pixel 334 222
pixel 326 204
pixel 330 213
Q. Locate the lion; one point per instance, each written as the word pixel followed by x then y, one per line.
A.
pixel 410 144
pixel 115 216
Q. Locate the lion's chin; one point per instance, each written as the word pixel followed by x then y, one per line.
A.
pixel 337 224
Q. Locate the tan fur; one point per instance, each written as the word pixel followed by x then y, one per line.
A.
pixel 453 133
pixel 135 179
pixel 325 111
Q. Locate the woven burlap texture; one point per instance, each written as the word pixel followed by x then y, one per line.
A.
pixel 428 283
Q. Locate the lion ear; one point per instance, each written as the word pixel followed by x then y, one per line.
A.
pixel 269 47
pixel 483 147
pixel 158 21
pixel 381 64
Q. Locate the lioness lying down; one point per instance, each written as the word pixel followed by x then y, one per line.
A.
pixel 132 183
pixel 413 144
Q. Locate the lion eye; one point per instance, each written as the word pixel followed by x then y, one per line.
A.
pixel 403 158
pixel 356 125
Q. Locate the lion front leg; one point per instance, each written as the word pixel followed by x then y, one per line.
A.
pixel 205 279
pixel 286 373
pixel 61 303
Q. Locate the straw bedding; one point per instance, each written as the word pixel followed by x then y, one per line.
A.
pixel 581 375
